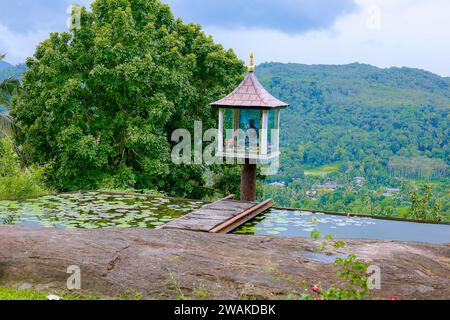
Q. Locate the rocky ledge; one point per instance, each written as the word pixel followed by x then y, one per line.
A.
pixel 168 264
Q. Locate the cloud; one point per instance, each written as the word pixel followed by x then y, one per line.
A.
pixel 25 23
pixel 383 33
pixel 17 46
pixel 287 16
pixel 24 16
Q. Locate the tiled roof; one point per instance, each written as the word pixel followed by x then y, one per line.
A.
pixel 250 94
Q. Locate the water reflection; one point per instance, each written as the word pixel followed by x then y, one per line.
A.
pixel 287 223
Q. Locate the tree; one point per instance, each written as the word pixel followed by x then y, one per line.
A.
pixel 8 88
pixel 6 125
pixel 101 102
pixel 424 206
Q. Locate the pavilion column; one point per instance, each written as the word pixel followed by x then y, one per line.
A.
pixel 248 181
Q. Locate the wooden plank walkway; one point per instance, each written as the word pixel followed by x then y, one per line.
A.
pixel 221 216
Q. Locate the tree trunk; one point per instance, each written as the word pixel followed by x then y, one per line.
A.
pixel 248 181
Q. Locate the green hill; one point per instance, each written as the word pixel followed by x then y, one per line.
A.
pixel 4 64
pixel 356 111
pixel 389 126
pixel 361 84
pixel 11 71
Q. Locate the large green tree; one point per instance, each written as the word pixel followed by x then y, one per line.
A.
pixel 100 102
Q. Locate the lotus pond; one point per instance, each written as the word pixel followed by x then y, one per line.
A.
pixel 288 223
pixel 93 210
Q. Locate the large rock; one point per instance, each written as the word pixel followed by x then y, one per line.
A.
pixel 165 264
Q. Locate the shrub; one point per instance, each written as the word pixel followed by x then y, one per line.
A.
pixel 16 181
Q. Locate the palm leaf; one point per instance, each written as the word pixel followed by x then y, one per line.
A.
pixel 10 85
pixel 6 125
pixel 8 88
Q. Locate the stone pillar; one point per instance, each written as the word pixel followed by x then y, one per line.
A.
pixel 248 181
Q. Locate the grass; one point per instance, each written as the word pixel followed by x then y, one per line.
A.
pixel 13 294
pixel 323 170
pixel 29 294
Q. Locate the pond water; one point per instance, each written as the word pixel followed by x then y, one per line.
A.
pixel 93 210
pixel 300 224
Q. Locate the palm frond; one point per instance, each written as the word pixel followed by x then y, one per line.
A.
pixel 10 84
pixel 6 125
pixel 9 88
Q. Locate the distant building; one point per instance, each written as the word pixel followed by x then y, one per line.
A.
pixel 278 184
pixel 327 186
pixel 311 194
pixel 391 192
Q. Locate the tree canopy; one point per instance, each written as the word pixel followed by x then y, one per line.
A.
pixel 100 102
pixel 9 86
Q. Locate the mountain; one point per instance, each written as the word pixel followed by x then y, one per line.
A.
pixel 362 84
pixel 352 112
pixel 4 64
pixel 7 70
pixel 353 133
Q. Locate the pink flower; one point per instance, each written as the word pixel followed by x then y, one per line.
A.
pixel 318 299
pixel 393 298
pixel 315 289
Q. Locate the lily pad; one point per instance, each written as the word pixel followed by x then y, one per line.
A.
pixel 94 210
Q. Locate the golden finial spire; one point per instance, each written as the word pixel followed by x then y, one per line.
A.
pixel 251 67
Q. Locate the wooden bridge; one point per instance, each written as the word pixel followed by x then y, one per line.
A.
pixel 222 216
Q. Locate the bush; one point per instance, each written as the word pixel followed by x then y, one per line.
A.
pixel 15 181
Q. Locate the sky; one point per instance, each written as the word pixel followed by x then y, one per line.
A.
pixel 384 33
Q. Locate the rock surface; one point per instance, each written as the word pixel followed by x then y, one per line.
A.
pixel 168 264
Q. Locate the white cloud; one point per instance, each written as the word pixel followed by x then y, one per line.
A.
pixel 384 33
pixel 18 46
pixel 411 33
pixel 26 23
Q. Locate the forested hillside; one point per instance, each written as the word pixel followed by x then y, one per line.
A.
pixel 390 127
